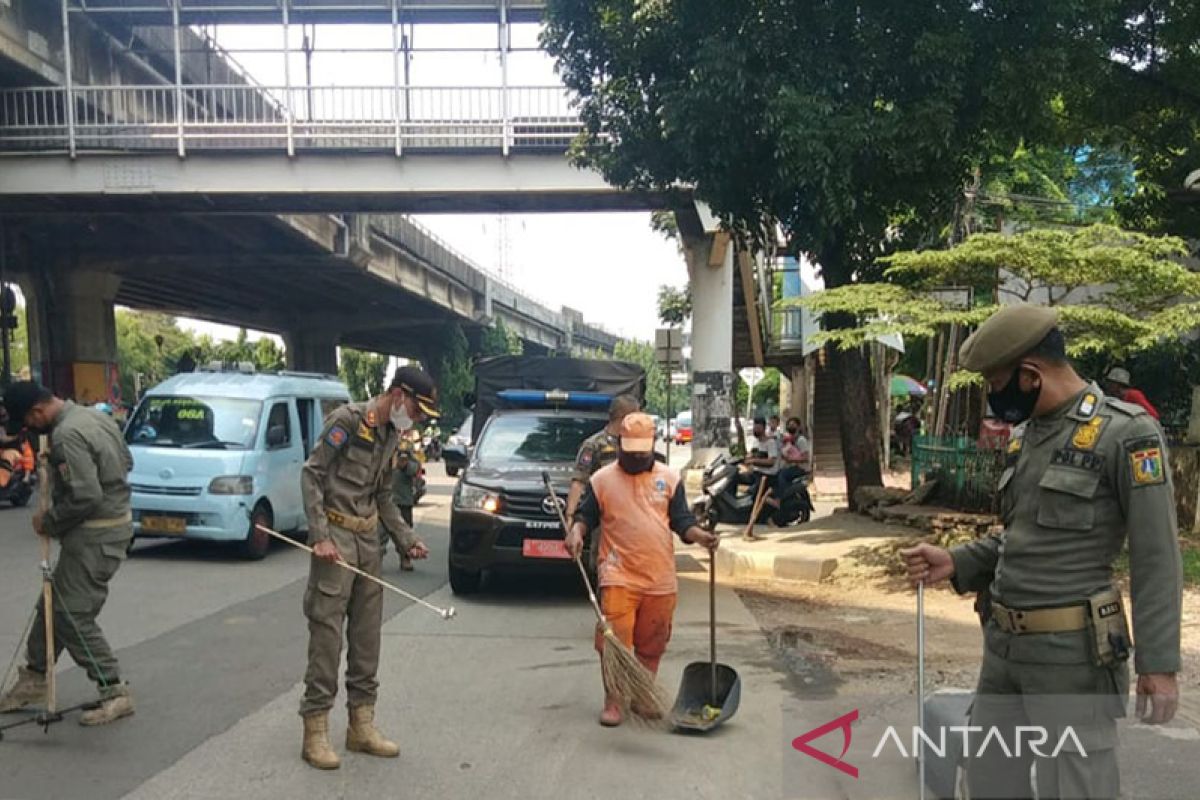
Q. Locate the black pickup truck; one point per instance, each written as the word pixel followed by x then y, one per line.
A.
pixel 531 416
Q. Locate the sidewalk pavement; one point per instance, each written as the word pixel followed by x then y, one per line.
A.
pixel 808 553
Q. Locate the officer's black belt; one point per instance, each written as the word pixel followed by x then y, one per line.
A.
pixel 1039 620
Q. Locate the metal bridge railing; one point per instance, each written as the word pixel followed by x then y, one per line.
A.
pixel 197 117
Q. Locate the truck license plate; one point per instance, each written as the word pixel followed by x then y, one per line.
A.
pixel 544 548
pixel 175 526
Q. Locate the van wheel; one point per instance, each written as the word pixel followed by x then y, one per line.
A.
pixel 451 472
pixel 256 544
pixel 465 581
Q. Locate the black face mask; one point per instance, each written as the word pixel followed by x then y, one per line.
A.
pixel 1011 404
pixel 635 463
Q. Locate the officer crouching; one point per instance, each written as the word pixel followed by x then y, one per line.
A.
pixel 1084 472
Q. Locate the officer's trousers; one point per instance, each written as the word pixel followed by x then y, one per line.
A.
pixel 1045 682
pixel 85 566
pixel 338 598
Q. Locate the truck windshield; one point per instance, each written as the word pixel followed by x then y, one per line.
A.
pixel 528 438
pixel 219 423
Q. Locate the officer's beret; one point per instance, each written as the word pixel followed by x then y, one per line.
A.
pixel 1006 336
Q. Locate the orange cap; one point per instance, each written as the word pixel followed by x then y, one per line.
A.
pixel 637 433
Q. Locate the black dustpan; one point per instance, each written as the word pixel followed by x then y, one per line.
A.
pixel 709 692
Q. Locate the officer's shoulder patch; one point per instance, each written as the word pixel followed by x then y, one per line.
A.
pixel 586 456
pixel 1146 464
pixel 365 432
pixel 337 436
pixel 64 471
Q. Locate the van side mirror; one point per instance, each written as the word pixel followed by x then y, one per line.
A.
pixel 276 436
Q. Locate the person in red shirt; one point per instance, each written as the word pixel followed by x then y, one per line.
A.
pixel 636 503
pixel 1117 384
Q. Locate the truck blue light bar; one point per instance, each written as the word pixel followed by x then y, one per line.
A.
pixel 554 398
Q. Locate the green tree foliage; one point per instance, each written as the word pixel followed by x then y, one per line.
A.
pixel 851 125
pixel 674 305
pixel 657 380
pixel 498 340
pixel 456 377
pixel 1119 292
pixel 362 372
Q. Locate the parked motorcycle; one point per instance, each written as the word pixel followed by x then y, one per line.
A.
pixel 725 501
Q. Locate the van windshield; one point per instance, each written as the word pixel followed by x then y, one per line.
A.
pixel 524 438
pixel 218 423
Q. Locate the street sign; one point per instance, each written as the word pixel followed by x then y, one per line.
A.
pixel 679 379
pixel 668 347
pixel 751 375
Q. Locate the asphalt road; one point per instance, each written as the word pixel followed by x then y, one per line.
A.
pixel 498 703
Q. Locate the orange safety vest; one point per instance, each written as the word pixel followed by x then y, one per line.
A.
pixel 637 546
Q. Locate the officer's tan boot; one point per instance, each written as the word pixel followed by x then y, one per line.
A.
pixel 317 750
pixel 30 688
pixel 363 737
pixel 117 704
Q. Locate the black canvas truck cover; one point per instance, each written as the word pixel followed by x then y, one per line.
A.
pixel 544 373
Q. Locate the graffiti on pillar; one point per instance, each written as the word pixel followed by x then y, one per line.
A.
pixel 712 409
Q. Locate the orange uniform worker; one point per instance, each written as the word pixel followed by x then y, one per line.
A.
pixel 636 503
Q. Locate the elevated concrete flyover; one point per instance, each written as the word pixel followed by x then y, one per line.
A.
pixel 375 283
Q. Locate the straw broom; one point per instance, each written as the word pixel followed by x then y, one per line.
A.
pixel 625 678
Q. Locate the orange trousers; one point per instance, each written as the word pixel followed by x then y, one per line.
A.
pixel 641 621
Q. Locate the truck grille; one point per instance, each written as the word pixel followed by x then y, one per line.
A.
pixel 167 491
pixel 526 505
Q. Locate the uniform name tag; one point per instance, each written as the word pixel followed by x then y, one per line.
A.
pixel 1108 609
pixel 1092 462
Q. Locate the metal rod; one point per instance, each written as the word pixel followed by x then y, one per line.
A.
pixel 712 626
pixel 444 613
pixel 921 687
pixel 396 73
pixel 287 82
pixel 178 80
pixel 504 110
pixel 69 100
pixel 43 490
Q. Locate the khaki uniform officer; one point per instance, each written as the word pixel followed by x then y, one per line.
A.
pixel 600 449
pixel 91 518
pixel 1085 473
pixel 347 485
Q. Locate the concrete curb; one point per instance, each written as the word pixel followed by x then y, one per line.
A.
pixel 734 561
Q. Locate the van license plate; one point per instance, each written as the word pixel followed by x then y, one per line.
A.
pixel 175 526
pixel 544 548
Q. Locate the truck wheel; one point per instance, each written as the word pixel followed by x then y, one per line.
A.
pixel 464 581
pixel 256 544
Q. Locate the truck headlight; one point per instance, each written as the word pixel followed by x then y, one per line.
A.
pixel 232 484
pixel 476 498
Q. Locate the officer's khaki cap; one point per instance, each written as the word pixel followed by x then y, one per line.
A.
pixel 1006 336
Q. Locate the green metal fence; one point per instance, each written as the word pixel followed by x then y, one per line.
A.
pixel 967 474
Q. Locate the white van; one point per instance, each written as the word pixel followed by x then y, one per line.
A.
pixel 217 453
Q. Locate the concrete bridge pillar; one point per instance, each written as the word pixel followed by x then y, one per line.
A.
pixel 710 268
pixel 311 351
pixel 73 333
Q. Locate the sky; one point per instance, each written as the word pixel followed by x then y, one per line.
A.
pixel 606 265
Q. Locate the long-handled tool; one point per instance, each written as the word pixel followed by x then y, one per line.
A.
pixel 444 613
pixel 709 692
pixel 764 492
pixel 625 678
pixel 47 575
pixel 921 686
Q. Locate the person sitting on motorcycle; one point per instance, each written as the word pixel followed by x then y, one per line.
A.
pixel 795 451
pixel 763 460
